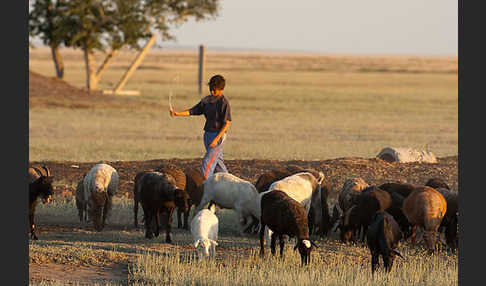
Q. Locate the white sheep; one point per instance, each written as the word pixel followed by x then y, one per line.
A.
pixel 231 192
pixel 204 230
pixel 100 185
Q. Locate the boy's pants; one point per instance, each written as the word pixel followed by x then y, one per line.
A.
pixel 212 161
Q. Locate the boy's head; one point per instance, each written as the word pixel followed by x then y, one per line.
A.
pixel 216 82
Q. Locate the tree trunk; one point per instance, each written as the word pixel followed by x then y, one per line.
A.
pixel 91 79
pixel 58 64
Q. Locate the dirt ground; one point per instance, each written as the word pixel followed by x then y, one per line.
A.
pixel 54 92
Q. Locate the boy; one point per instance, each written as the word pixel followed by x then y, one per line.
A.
pixel 217 111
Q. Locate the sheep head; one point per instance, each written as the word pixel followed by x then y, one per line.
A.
pixel 96 204
pixel 305 247
pixel 181 200
pixel 45 188
pixel 202 246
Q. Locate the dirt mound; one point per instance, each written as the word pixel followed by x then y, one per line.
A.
pixel 374 171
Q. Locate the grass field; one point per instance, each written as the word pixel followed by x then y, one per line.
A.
pixel 284 106
pixel 153 262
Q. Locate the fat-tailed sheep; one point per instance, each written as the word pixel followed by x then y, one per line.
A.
pixel 100 185
pixel 425 208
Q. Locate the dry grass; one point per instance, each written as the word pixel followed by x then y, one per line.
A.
pixel 153 262
pixel 284 106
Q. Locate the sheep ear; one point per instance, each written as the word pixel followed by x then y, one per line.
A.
pixel 213 242
pixel 196 243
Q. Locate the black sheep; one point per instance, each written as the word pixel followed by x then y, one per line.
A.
pixel 42 186
pixel 285 216
pixel 383 236
pixel 437 183
pixel 159 196
pixel 358 217
pixel 180 178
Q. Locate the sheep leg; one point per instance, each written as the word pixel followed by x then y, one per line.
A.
pixel 179 218
pixel 148 220
pixel 282 244
pixel 272 243
pixel 262 233
pixel 168 222
pixel 107 209
pixel 186 218
pixel 375 262
pixel 32 224
pixel 157 224
pixel 388 261
pixel 414 233
pixel 135 212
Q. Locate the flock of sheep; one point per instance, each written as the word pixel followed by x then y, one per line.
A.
pixel 285 202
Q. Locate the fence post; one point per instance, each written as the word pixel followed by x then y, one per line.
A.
pixel 201 68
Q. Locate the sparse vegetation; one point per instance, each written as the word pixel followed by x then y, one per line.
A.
pixel 153 262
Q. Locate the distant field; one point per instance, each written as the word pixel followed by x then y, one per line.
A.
pixel 284 106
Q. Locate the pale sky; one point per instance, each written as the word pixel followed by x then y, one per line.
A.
pixel 428 27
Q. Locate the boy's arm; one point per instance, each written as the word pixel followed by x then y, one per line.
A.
pixel 220 134
pixel 172 112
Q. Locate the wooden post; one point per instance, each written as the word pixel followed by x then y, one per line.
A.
pixel 201 68
pixel 135 64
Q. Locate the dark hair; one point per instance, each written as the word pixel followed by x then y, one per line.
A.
pixel 216 82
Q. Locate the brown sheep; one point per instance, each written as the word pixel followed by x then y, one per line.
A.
pixel 180 178
pixel 425 207
pixel 194 180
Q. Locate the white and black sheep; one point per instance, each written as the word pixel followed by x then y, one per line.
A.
pixel 204 230
pixel 285 216
pixel 100 185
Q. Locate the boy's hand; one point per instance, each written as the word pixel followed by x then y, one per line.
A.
pixel 213 144
pixel 172 112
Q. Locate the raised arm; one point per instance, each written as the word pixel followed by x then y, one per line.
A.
pixel 172 112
